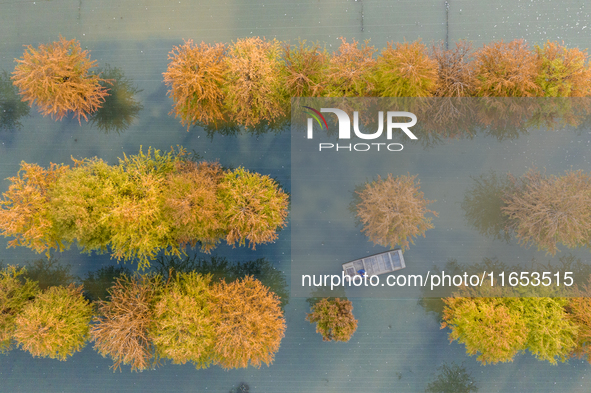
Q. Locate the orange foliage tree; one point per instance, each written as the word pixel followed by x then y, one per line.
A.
pixel 547 210
pixel 195 77
pixel 248 323
pixel 334 319
pixel 192 203
pixel 25 212
pixel 456 76
pixel 392 210
pixel 405 70
pixel 304 70
pixel 252 88
pixel 506 69
pixel 58 78
pixel 122 326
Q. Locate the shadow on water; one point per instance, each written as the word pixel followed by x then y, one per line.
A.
pixel 12 109
pixel 120 108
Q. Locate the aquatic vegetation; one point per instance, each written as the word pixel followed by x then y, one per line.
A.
pixel 506 69
pixel 121 331
pixel 183 325
pixel 196 75
pixel 58 78
pixel 405 70
pixel 254 207
pixel 350 70
pixel 248 323
pixel 392 210
pixel 15 294
pixel 547 210
pixel 55 324
pixel 563 72
pixel 252 86
pixel 334 319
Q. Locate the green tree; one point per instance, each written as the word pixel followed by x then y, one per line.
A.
pixel 334 319
pixel 183 327
pixel 55 324
pixel 15 294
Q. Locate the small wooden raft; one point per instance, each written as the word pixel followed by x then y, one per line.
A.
pixel 385 262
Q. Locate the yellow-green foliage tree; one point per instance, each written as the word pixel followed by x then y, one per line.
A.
pixel 392 211
pixel 81 201
pixel 506 69
pixel 563 72
pixel 25 212
pixel 248 323
pixel 140 228
pixel 334 319
pixel 195 76
pixel 579 312
pixel 58 78
pixel 192 203
pixel 182 329
pixel 350 70
pixel 492 327
pixel 252 88
pixel 304 70
pixel 405 70
pixel 55 324
pixel 254 207
pixel 547 210
pixel 15 293
pixel 146 204
pixel 121 331
pixel 551 335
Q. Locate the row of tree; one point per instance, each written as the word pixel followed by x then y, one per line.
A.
pixel 252 80
pixel 186 317
pixel 497 324
pixel 147 203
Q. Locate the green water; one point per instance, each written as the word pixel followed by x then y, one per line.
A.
pixel 397 347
